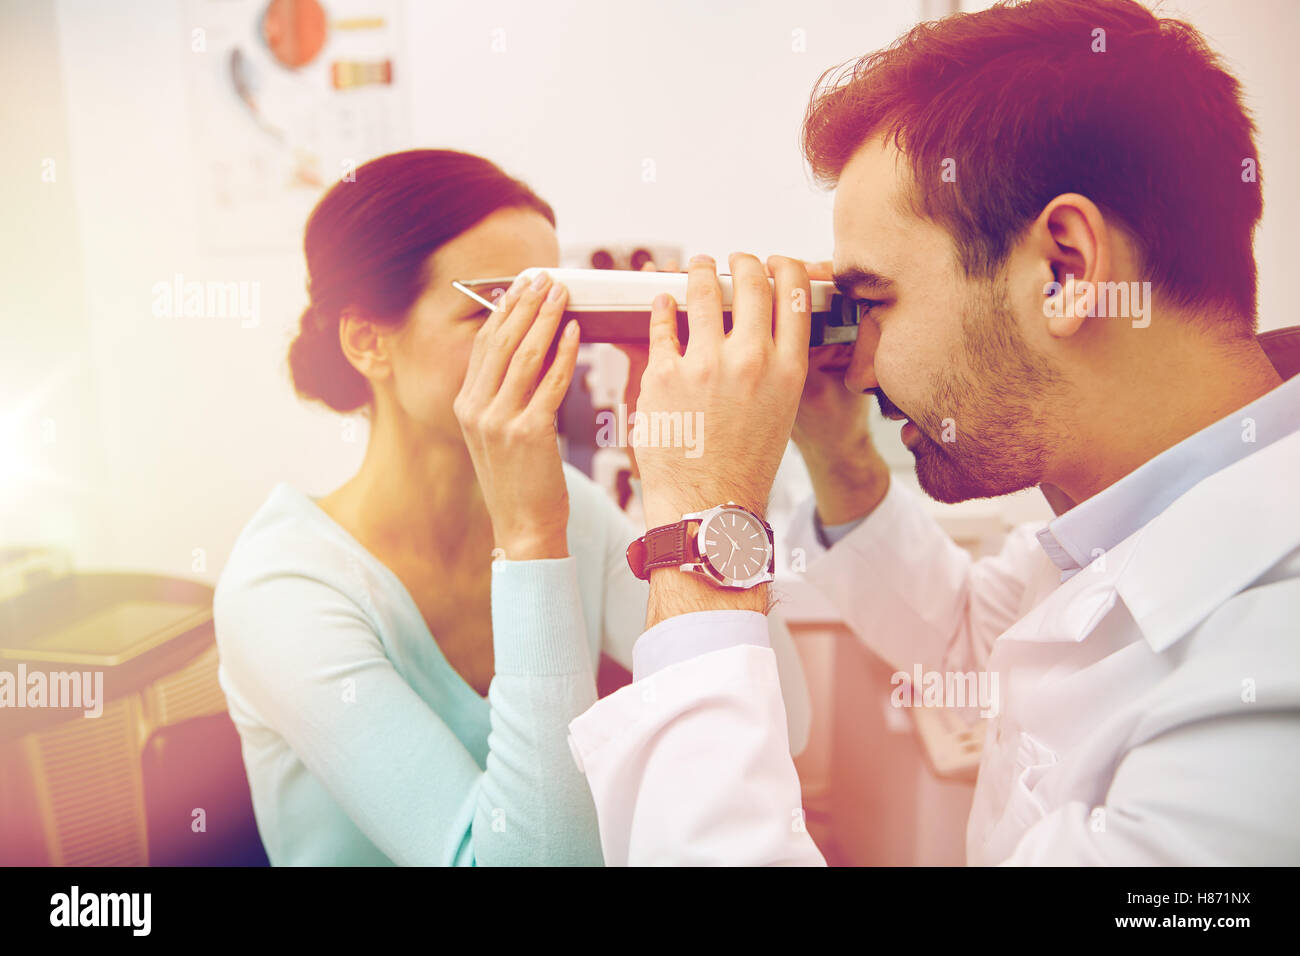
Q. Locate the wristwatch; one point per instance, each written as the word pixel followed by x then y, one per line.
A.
pixel 728 544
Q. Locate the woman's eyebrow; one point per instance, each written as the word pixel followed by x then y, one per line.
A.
pixel 852 280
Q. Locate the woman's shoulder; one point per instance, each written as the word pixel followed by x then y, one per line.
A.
pixel 284 522
pixel 288 545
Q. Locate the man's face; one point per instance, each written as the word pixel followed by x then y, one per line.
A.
pixel 949 353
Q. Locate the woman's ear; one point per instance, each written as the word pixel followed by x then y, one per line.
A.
pixel 1071 236
pixel 363 346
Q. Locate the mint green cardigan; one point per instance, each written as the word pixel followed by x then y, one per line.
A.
pixel 363 746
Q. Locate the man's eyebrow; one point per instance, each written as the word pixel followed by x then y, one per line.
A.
pixel 849 281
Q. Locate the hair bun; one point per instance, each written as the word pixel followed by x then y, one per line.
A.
pixel 320 370
pixel 314 321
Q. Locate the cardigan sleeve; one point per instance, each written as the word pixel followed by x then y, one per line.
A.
pixel 306 658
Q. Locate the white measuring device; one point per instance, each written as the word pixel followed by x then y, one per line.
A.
pixel 614 306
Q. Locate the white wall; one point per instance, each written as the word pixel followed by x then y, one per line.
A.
pixel 196 417
pixel 173 431
pixel 1256 41
pixel 51 455
pixel 586 95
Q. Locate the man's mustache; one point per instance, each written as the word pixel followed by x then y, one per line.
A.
pixel 887 408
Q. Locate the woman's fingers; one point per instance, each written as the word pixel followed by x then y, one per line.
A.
pixel 480 345
pixel 555 383
pixel 499 343
pixel 526 364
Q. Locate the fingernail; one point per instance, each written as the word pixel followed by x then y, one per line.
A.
pixel 661 301
pixel 557 290
pixel 540 282
pixel 701 260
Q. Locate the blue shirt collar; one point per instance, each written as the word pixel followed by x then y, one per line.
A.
pixel 1092 527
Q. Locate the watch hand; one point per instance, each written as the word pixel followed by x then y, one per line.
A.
pixel 734 546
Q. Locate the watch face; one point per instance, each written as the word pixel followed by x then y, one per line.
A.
pixel 735 545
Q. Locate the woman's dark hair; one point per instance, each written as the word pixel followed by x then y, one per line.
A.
pixel 368 244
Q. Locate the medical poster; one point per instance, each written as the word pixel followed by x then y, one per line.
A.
pixel 287 97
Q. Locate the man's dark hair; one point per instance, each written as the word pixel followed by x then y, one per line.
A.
pixel 1025 102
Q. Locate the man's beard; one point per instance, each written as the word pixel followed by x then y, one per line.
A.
pixel 996 402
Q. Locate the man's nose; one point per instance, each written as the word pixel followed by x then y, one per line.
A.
pixel 861 373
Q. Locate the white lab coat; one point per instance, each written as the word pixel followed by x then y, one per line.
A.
pixel 1149 706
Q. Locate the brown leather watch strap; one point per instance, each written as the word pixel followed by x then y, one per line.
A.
pixel 668 546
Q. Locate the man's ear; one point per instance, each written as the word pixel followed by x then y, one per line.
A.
pixel 364 346
pixel 1072 237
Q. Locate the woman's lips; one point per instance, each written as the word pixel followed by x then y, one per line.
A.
pixel 910 434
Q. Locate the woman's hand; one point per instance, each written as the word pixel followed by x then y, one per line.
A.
pixel 848 475
pixel 832 420
pixel 506 409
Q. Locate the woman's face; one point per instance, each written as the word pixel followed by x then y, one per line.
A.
pixel 430 351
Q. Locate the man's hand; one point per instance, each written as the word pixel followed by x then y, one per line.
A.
pixel 738 391
pixel 638 357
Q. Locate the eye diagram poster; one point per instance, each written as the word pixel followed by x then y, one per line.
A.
pixel 287 97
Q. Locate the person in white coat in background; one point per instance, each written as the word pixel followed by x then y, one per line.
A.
pixel 1000 180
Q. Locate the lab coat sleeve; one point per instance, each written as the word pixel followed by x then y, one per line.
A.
pixel 908 591
pixel 625 612
pixel 690 764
